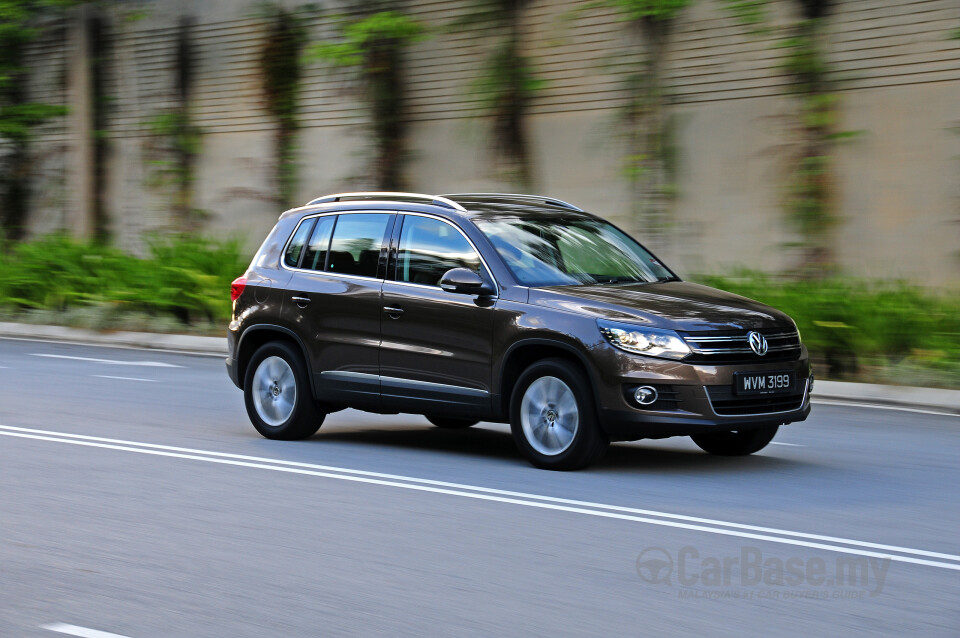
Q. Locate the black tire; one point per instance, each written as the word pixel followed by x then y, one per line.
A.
pixel 282 366
pixel 449 423
pixel 736 442
pixel 588 442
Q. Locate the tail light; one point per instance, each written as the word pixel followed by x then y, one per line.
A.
pixel 236 288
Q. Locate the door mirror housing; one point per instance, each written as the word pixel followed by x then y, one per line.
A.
pixel 464 281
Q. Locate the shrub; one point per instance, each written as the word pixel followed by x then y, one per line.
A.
pixel 184 276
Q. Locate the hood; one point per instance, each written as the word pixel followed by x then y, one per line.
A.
pixel 675 305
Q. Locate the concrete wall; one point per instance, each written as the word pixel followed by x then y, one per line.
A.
pixel 898 182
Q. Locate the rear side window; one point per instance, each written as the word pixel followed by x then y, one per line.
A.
pixel 316 254
pixel 292 255
pixel 357 238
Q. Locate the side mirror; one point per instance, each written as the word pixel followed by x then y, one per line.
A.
pixel 464 281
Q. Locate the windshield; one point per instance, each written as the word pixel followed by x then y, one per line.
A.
pixel 570 252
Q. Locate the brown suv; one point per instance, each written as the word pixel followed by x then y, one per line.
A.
pixel 510 308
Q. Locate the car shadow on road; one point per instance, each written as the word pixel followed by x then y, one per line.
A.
pixel 492 444
pixel 470 441
pixel 640 458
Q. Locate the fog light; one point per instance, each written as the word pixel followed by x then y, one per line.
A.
pixel 645 395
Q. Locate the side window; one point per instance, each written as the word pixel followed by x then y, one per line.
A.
pixel 316 255
pixel 357 238
pixel 428 248
pixel 292 255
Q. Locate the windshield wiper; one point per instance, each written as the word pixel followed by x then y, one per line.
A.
pixel 602 279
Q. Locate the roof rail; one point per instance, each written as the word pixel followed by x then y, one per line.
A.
pixel 549 200
pixel 387 195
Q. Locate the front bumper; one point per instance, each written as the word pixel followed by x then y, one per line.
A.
pixel 624 425
pixel 701 398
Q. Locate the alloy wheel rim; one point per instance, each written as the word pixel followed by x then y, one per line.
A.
pixel 549 416
pixel 274 391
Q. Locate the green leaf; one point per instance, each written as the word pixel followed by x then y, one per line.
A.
pixel 359 38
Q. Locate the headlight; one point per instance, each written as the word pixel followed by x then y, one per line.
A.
pixel 651 342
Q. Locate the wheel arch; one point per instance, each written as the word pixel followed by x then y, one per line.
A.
pixel 520 355
pixel 256 336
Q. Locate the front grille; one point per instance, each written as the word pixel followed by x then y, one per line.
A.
pixel 726 403
pixel 731 346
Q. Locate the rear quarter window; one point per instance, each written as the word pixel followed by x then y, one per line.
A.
pixel 316 254
pixel 291 256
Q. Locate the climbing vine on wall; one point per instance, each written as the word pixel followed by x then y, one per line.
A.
pixel 20 24
pixel 506 85
pixel 810 191
pixel 370 42
pixel 281 71
pixel 651 156
pixel 175 142
pixel 99 66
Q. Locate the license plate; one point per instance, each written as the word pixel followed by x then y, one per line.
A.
pixel 781 382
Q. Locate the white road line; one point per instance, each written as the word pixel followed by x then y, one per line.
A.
pixel 105 376
pixel 875 406
pixel 503 496
pixel 486 490
pixel 148 364
pixel 82 632
pixel 788 444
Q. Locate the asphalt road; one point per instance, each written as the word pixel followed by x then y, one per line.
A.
pixel 136 499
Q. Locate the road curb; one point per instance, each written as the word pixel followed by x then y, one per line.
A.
pixel 148 340
pixel 932 399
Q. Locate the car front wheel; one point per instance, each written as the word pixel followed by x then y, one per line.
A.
pixel 736 442
pixel 277 394
pixel 553 419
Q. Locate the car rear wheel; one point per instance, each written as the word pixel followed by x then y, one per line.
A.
pixel 736 442
pixel 553 418
pixel 277 394
pixel 448 423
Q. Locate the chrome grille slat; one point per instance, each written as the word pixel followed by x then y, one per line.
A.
pixel 782 348
pixel 721 350
pixel 735 338
pixel 743 337
pixel 732 347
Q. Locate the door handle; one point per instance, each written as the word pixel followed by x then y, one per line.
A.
pixel 301 301
pixel 393 311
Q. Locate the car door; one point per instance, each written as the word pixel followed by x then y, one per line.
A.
pixel 333 302
pixel 436 345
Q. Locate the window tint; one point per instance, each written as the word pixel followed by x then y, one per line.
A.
pixel 429 248
pixel 316 255
pixel 292 255
pixel 355 249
